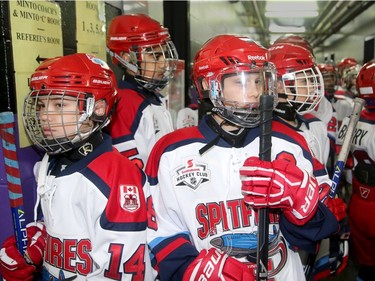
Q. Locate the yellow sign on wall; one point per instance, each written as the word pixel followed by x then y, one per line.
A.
pixel 36 35
pixel 91 35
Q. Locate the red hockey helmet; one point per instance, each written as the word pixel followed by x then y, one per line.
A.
pixel 344 64
pixel 329 74
pixel 349 78
pixel 145 41
pixel 366 85
pixel 226 56
pixel 296 66
pixel 296 40
pixel 82 80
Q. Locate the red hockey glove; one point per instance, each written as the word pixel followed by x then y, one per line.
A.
pixel 13 265
pixel 214 265
pixel 338 207
pixel 280 184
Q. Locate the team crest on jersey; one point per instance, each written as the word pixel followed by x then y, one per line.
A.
pixel 191 174
pixel 129 197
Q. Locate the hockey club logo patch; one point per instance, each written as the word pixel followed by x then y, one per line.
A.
pixel 191 175
pixel 129 198
pixel 364 192
pixel 86 149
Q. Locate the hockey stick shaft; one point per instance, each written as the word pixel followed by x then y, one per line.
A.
pixel 345 148
pixel 13 178
pixel 265 144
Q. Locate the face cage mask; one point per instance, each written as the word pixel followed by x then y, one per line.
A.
pixel 309 85
pixel 243 114
pixel 157 76
pixel 330 82
pixel 50 129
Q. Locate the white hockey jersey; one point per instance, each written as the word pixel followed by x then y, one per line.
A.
pixel 343 106
pixel 186 117
pixel 197 198
pixel 326 112
pixel 95 216
pixel 363 142
pixel 315 132
pixel 137 123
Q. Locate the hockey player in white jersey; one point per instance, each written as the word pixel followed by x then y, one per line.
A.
pixel 300 89
pixel 348 70
pixel 142 48
pixel 94 216
pixel 362 202
pixel 326 111
pixel 208 182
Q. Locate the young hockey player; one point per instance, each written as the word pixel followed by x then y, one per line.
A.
pixel 326 112
pixel 300 89
pixel 362 203
pixel 208 181
pixel 142 48
pixel 91 197
pixel 348 70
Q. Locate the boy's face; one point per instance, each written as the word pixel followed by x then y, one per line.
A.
pixel 243 88
pixel 154 64
pixel 59 117
pixel 304 86
pixel 329 82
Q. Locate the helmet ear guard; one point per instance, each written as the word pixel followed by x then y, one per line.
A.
pixel 130 66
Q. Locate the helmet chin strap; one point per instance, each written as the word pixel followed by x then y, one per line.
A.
pixel 285 111
pixel 234 138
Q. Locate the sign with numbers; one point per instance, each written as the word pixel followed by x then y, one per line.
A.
pixel 36 35
pixel 91 34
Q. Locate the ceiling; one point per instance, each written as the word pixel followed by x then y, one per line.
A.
pixel 331 17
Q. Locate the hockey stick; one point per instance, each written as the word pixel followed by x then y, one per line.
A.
pixel 345 148
pixel 13 178
pixel 266 107
pixel 339 166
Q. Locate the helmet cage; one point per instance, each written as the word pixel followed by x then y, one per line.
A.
pixel 152 76
pixel 74 124
pixel 349 77
pixel 330 81
pixel 307 83
pixel 145 62
pixel 330 77
pixel 241 112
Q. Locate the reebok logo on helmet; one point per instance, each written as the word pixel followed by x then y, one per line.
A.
pixel 257 57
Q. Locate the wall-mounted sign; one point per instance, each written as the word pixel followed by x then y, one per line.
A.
pixel 36 35
pixel 91 32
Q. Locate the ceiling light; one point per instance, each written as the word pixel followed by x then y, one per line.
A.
pixel 291 14
pixel 286 29
pixel 272 6
pixel 291 9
